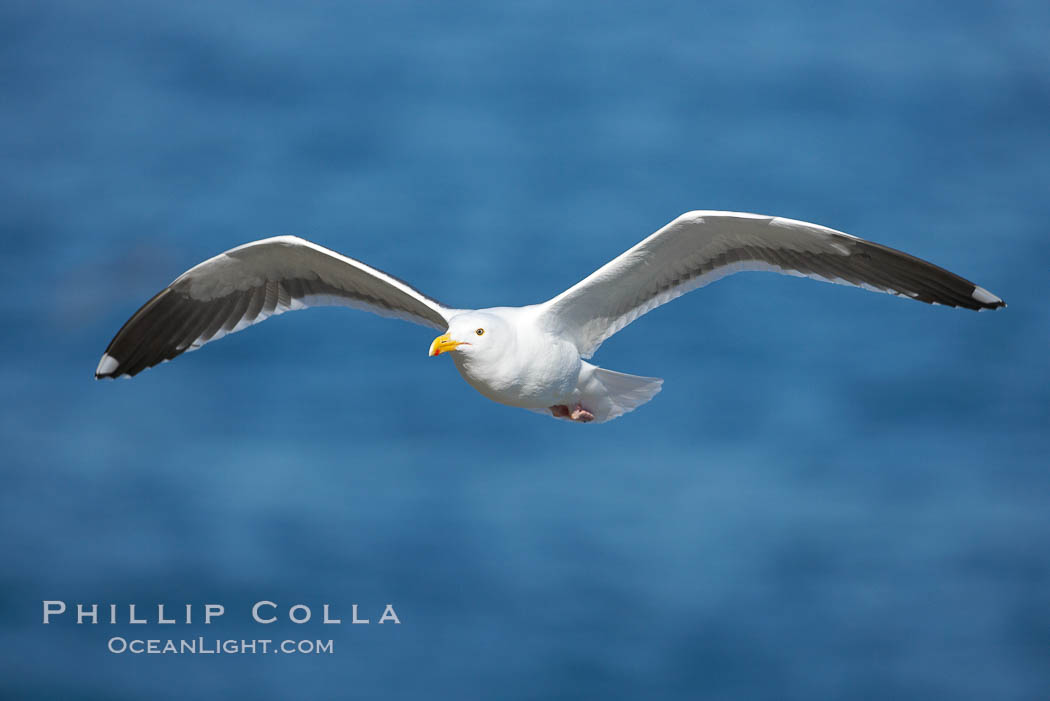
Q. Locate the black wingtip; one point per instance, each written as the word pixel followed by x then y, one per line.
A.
pixel 985 299
pixel 108 367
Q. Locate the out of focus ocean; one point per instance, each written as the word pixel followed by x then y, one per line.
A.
pixel 837 494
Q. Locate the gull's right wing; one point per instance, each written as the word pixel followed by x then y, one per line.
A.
pixel 249 284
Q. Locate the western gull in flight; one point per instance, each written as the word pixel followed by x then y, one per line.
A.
pixel 534 357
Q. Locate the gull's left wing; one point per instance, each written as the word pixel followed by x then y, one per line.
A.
pixel 700 247
pixel 253 282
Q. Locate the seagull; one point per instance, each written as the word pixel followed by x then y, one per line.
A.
pixel 533 357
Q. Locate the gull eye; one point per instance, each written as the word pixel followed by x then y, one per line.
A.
pixel 480 332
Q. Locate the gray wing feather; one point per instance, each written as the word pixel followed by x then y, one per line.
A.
pixel 249 284
pixel 700 247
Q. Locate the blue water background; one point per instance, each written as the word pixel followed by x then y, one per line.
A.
pixel 837 494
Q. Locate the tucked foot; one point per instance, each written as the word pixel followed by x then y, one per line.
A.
pixel 580 414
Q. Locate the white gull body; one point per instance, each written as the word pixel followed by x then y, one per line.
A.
pixel 533 357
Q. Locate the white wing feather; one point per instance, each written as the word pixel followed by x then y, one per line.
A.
pixel 700 247
pixel 249 284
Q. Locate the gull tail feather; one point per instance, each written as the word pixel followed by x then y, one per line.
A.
pixel 609 394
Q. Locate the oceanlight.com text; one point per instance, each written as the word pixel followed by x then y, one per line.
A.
pixel 215 646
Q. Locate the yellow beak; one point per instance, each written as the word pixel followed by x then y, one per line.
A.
pixel 443 344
